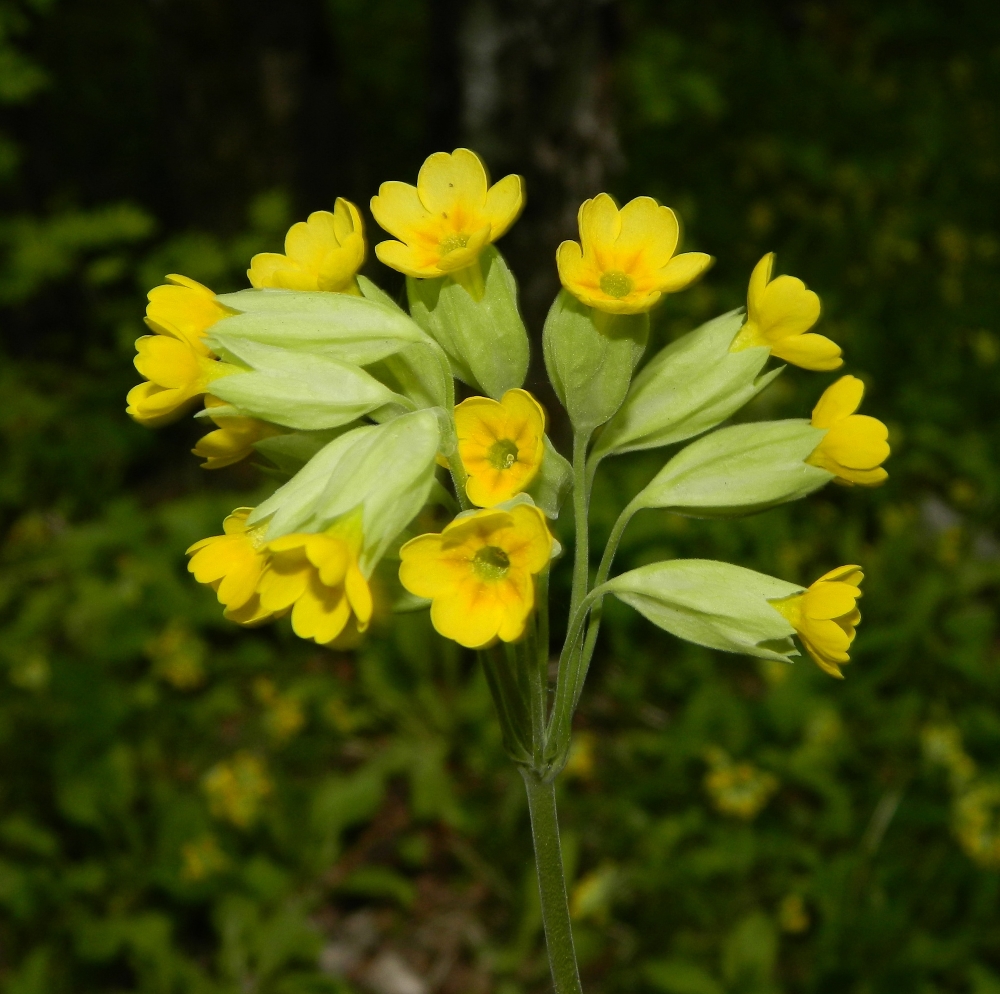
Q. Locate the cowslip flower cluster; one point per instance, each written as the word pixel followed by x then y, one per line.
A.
pixel 349 401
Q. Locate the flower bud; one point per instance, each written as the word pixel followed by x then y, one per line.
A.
pixel 712 604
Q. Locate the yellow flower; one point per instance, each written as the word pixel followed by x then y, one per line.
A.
pixel 738 789
pixel 779 313
pixel 232 564
pixel 826 615
pixel 323 253
pixel 624 262
pixel 855 445
pixel 233 440
pixel 479 573
pixel 178 374
pixel 236 788
pixel 501 444
pixel 185 310
pixel 318 577
pixel 448 218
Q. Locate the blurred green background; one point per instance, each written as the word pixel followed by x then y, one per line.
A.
pixel 188 807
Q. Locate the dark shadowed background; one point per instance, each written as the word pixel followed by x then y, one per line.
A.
pixel 188 807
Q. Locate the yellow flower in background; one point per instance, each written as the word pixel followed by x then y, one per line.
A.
pixel 779 314
pixel 479 573
pixel 318 577
pixel 976 823
pixel 855 445
pixel 624 262
pixel 202 858
pixel 324 252
pixel 232 564
pixel 184 309
pixel 447 219
pixel 501 444
pixel 825 616
pixel 739 790
pixel 178 374
pixel 236 788
pixel 233 440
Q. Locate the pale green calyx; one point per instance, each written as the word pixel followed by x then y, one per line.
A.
pixel 300 390
pixel 485 340
pixel 739 470
pixel 712 604
pixel 689 387
pixel 590 357
pixel 337 325
pixel 387 470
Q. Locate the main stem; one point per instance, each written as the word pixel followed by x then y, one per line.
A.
pixel 552 884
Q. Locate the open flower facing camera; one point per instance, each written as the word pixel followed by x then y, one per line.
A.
pixel 352 402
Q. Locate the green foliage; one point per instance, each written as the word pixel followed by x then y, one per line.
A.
pixel 188 807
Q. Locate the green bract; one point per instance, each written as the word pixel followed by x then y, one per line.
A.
pixel 739 470
pixel 590 357
pixel 689 387
pixel 484 339
pixel 711 603
pixel 298 389
pixel 386 470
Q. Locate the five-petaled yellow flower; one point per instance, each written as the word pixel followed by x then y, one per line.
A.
pixel 479 573
pixel 825 616
pixel 501 444
pixel 447 219
pixel 323 253
pixel 855 445
pixel 176 362
pixel 233 440
pixel 318 577
pixel 624 262
pixel 232 564
pixel 780 312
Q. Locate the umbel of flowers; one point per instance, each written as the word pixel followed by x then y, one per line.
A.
pixel 350 400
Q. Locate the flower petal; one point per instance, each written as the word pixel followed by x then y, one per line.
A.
pixel 600 225
pixel 759 279
pixel 399 210
pixel 809 351
pixel 839 401
pixel 470 614
pixel 504 203
pixel 648 233
pixel 682 271
pixel 449 182
pixel 787 308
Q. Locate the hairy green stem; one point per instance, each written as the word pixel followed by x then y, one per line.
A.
pixel 458 479
pixel 552 884
pixel 581 508
pixel 595 612
pixel 557 740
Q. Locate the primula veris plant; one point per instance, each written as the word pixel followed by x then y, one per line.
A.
pixel 350 402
